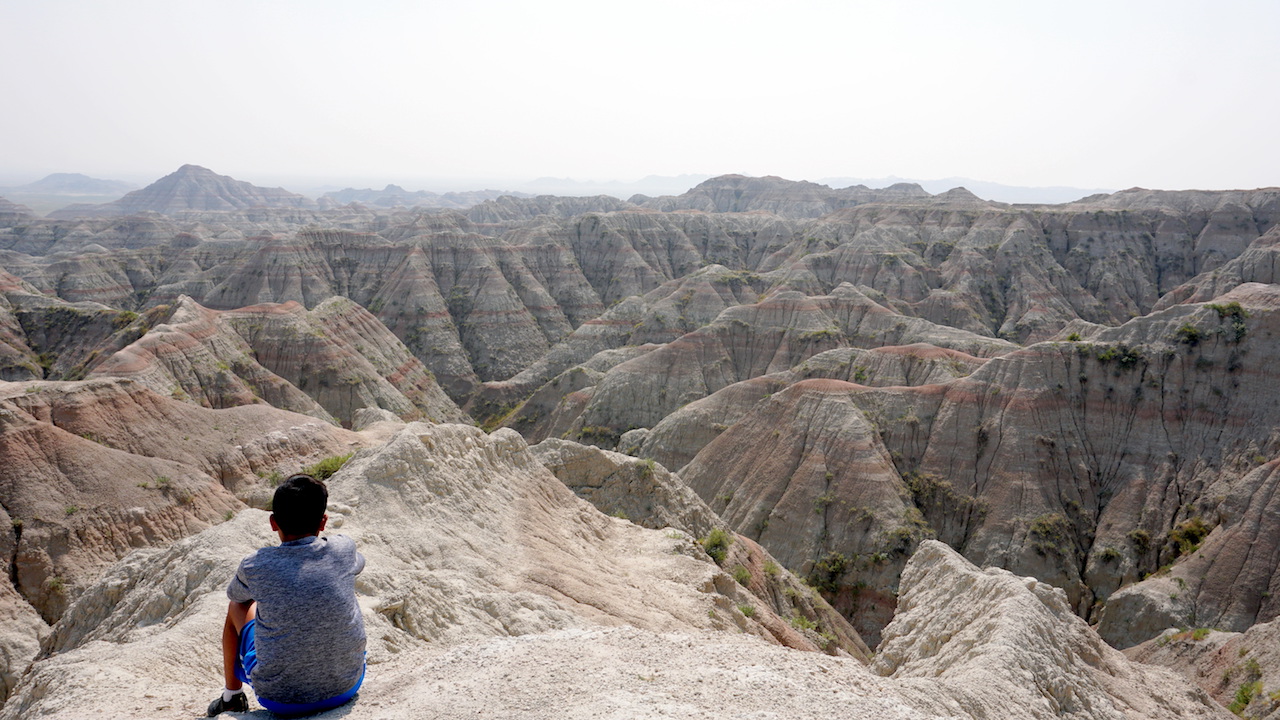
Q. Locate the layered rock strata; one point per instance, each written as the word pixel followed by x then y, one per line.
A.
pixel 328 362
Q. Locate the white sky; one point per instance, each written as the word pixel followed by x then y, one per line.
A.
pixel 1165 94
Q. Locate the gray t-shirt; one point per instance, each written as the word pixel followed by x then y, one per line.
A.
pixel 309 636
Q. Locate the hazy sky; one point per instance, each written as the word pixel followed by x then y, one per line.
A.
pixel 1115 94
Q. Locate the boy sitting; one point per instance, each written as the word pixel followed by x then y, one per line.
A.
pixel 293 629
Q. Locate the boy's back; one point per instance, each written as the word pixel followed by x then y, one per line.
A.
pixel 293 629
pixel 309 633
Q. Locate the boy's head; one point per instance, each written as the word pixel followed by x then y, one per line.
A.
pixel 298 506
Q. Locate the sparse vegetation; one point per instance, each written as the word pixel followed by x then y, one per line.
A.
pixel 70 510
pixel 1187 536
pixel 124 319
pixel 1051 534
pixel 903 538
pixel 1122 354
pixel 1109 554
pixel 1140 539
pixel 1188 334
pixel 717 543
pixel 596 434
pixel 1236 314
pixel 748 611
pixel 1245 695
pixel 934 495
pixel 326 468
pixel 800 622
pixel 741 575
pixel 828 571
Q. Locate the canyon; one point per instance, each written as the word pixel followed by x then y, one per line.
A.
pixel 553 404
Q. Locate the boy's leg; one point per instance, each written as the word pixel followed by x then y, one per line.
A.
pixel 238 615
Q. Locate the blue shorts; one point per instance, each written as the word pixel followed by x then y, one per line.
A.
pixel 248 660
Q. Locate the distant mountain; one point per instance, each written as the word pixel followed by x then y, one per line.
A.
pixel 396 196
pixel 981 188
pixel 649 185
pixel 61 189
pixel 788 198
pixel 191 187
pixel 73 184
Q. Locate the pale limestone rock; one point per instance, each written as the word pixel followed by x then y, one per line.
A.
pixel 982 644
pixel 1006 646
pixel 366 416
pixel 638 490
pixel 1141 611
pixel 467 537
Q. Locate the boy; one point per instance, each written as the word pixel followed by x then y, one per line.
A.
pixel 293 627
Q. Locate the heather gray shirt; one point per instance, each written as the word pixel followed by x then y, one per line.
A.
pixel 309 636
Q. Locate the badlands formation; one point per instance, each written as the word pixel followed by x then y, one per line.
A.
pixel 739 452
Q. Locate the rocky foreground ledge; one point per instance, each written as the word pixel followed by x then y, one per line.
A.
pixel 493 591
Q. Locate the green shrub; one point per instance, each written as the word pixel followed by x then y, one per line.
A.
pixel 771 569
pixel 717 543
pixel 820 505
pixel 326 468
pixel 1186 537
pixel 1226 310
pixel 1140 539
pixel 1236 314
pixel 124 319
pixel 1051 534
pixel 1125 355
pixel 747 610
pixel 801 622
pixel 1244 695
pixel 1188 334
pixel 1200 633
pixel 741 575
pixel 827 572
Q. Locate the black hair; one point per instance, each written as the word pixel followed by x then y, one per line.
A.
pixel 299 505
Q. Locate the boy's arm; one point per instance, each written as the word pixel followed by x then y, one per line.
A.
pixel 238 589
